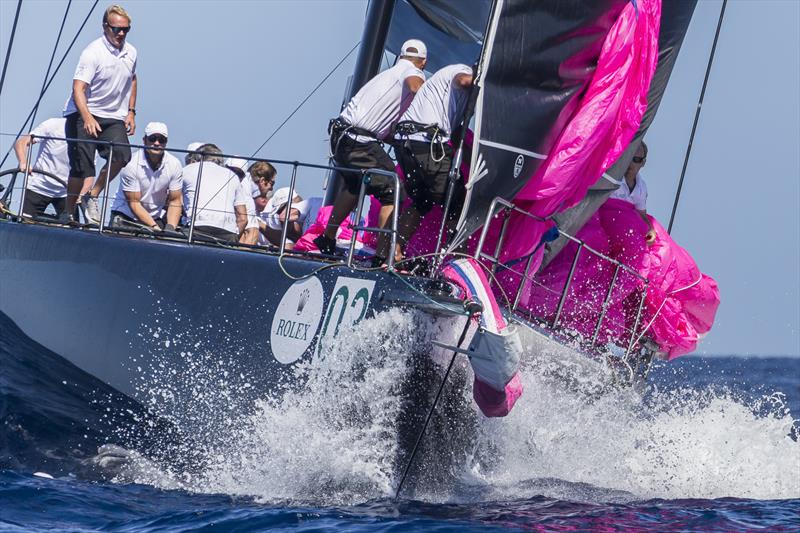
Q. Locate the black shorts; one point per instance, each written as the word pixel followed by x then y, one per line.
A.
pixel 427 179
pixel 36 203
pixel 81 154
pixel 354 154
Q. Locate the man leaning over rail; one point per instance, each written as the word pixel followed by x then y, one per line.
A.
pixel 214 196
pixel 150 192
pixel 425 152
pixel 102 107
pixel 357 137
pixel 43 190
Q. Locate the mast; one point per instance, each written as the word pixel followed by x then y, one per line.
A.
pixel 373 41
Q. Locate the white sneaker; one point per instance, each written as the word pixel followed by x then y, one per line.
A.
pixel 91 209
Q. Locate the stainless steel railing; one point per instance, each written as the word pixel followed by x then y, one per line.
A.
pixel 295 165
pixel 506 208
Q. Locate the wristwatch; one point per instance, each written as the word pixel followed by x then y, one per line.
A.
pixel 132 110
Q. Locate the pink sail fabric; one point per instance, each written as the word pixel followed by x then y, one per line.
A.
pixel 306 242
pixel 680 304
pixel 468 275
pixel 603 125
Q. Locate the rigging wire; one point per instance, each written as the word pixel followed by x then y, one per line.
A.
pixel 296 109
pixel 696 117
pixel 10 45
pixel 50 64
pixel 52 77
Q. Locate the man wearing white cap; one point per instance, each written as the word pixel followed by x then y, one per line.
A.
pixel 357 136
pixel 303 213
pixel 150 191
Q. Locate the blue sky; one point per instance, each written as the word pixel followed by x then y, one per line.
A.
pixel 232 72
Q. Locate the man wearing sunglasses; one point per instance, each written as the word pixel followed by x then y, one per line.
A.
pixel 151 189
pixel 102 107
pixel 634 190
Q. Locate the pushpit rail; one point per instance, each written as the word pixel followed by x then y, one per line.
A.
pixel 504 208
pixel 191 237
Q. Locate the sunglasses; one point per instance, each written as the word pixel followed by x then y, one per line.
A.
pixel 157 138
pixel 119 29
pixel 639 159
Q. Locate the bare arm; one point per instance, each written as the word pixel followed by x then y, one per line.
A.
pixel 413 83
pixel 174 207
pixel 650 237
pixel 21 150
pixel 130 120
pixel 241 217
pixel 134 199
pixel 250 236
pixel 90 125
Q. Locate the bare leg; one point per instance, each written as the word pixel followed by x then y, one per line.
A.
pixel 75 188
pixel 406 226
pixel 100 184
pixel 384 218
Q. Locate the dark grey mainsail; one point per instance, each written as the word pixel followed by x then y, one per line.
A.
pixel 675 18
pixel 536 62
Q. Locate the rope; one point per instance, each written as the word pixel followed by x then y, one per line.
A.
pixel 296 109
pixel 10 45
pixel 36 105
pixel 52 57
pixel 696 118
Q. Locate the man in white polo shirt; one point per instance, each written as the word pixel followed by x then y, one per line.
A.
pixel 221 206
pixel 357 136
pixel 102 107
pixel 43 190
pixel 425 153
pixel 150 192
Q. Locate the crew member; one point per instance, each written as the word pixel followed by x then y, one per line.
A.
pixel 357 136
pixel 43 190
pixel 303 213
pixel 221 206
pixel 426 153
pixel 150 192
pixel 634 190
pixel 102 107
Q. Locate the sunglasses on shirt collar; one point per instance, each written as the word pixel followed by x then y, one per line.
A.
pixel 639 159
pixel 118 29
pixel 156 137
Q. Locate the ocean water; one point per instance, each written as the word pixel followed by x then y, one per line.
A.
pixel 711 444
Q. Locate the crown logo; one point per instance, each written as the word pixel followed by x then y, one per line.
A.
pixel 302 301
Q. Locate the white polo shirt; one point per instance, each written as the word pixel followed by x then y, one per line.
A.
pixel 109 74
pixel 439 101
pixel 247 193
pixel 637 196
pixel 52 157
pixel 379 104
pixel 154 185
pixel 218 193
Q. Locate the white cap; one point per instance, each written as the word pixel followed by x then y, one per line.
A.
pixel 422 50
pixel 156 127
pixel 237 162
pixel 194 146
pixel 280 197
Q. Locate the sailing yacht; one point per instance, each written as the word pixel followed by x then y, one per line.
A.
pixel 564 93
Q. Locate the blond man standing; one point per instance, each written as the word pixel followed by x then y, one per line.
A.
pixel 102 107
